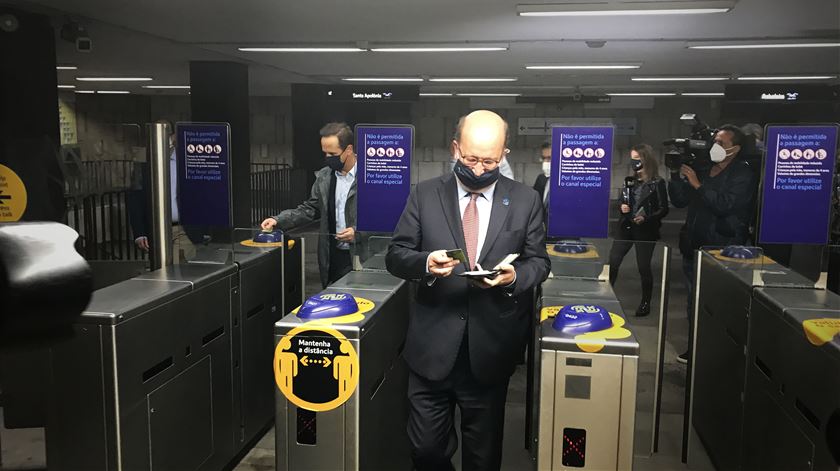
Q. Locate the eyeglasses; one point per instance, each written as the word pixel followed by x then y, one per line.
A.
pixel 488 164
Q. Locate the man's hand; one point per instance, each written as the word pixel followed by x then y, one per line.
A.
pixel 625 208
pixel 506 276
pixel 142 243
pixel 691 175
pixel 639 219
pixel 347 235
pixel 440 265
pixel 268 224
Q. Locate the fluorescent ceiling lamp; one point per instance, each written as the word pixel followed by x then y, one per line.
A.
pixel 678 79
pixel 112 92
pixel 301 49
pixel 764 45
pixel 114 79
pixel 168 87
pixel 86 92
pixel 66 67
pixel 787 77
pixel 642 94
pixel 443 48
pixel 435 94
pixel 488 94
pixel 702 94
pixel 582 66
pixel 615 8
pixel 66 86
pixel 475 79
pixel 382 79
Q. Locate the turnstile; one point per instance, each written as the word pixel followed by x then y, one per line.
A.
pixel 145 383
pixel 586 395
pixel 164 370
pixel 725 299
pixel 367 429
pixel 792 394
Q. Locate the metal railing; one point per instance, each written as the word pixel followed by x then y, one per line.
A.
pixel 275 187
pixel 97 208
pixel 101 219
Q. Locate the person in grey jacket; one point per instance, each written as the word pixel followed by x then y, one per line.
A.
pixel 333 200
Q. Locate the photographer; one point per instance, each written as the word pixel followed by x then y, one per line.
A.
pixel 719 197
pixel 641 213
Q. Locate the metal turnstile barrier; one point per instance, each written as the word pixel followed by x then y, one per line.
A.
pixel 725 299
pixel 341 392
pixel 163 370
pixel 792 394
pixel 586 386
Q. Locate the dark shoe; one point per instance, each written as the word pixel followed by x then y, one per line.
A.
pixel 683 358
pixel 644 309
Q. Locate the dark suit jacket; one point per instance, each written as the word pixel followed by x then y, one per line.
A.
pixel 539 187
pixel 495 319
pixel 539 184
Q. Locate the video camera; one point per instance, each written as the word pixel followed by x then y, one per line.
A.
pixel 685 151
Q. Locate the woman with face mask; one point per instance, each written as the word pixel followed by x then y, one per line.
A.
pixel 642 208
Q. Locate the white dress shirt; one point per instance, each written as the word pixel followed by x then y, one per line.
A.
pixel 342 189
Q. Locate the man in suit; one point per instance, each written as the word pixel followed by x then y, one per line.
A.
pixel 541 183
pixel 333 200
pixel 465 337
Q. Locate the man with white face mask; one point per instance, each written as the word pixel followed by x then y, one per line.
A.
pixel 719 196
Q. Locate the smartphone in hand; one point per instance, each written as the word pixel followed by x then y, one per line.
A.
pixel 458 254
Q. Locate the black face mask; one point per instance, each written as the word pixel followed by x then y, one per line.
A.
pixel 637 165
pixel 468 178
pixel 334 162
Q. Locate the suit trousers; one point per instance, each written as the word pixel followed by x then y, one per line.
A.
pixel 431 417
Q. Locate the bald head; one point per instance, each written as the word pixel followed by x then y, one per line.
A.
pixel 481 134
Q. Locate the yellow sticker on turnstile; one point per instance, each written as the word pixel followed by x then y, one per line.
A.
pixel 591 253
pixel 251 243
pixel 592 342
pixel 763 259
pixel 290 244
pixel 821 331
pixel 12 195
pixel 364 305
pixel 316 367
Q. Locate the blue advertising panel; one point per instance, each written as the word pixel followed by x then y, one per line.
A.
pixel 579 195
pixel 798 173
pixel 383 175
pixel 203 151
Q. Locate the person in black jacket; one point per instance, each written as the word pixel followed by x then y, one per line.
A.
pixel 720 199
pixel 541 183
pixel 639 221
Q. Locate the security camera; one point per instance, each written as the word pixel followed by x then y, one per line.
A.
pixel 8 23
pixel 75 33
pixel 577 96
pixel 84 44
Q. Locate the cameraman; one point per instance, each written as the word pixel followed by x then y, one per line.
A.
pixel 719 199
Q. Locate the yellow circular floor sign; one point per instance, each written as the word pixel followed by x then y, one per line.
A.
pixel 12 195
pixel 316 367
